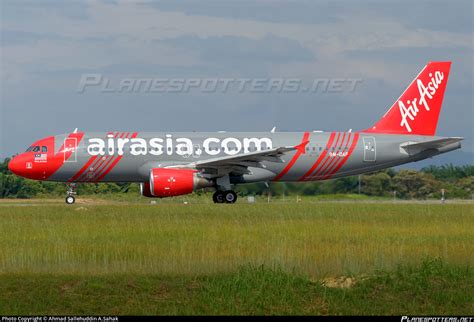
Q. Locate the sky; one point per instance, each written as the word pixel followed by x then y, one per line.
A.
pixel 48 46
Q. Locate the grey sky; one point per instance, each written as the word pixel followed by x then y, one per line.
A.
pixel 47 45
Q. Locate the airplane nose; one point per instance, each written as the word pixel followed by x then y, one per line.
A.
pixel 14 165
pixel 26 166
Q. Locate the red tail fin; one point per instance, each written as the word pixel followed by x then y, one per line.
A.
pixel 417 110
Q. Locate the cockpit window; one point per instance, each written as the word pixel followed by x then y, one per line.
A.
pixel 36 149
pixel 30 149
pixel 44 149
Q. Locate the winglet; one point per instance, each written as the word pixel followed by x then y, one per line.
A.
pixel 302 147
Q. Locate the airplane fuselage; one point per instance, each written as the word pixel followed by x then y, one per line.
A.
pixel 129 156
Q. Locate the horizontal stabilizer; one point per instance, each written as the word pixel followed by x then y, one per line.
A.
pixel 437 144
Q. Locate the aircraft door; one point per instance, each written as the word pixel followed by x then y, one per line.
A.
pixel 369 149
pixel 197 151
pixel 70 145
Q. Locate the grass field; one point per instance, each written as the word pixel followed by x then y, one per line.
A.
pixel 305 258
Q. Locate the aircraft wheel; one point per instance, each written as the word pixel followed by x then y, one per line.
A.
pixel 230 196
pixel 70 200
pixel 218 197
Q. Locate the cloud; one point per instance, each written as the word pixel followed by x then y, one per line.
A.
pixel 228 49
pixel 416 57
pixel 301 12
pixel 436 15
pixel 75 10
pixel 19 37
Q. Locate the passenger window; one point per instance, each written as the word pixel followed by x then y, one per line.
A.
pixel 44 149
pixel 29 149
pixel 36 149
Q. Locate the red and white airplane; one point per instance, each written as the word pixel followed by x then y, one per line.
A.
pixel 171 164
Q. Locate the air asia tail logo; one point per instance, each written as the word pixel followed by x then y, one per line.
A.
pixel 169 145
pixel 426 94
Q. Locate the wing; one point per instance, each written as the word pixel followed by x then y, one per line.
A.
pixel 239 163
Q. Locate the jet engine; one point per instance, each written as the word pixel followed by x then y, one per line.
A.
pixel 172 182
pixel 145 190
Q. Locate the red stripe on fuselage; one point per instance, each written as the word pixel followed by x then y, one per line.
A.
pixel 92 169
pixel 294 159
pixel 114 163
pixel 335 159
pixel 104 165
pixel 320 158
pixel 339 159
pixel 351 149
pixel 59 158
pixel 105 161
pixel 329 157
pixel 326 158
pixel 84 168
pixel 97 160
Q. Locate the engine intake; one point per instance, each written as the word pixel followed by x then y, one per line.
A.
pixel 172 182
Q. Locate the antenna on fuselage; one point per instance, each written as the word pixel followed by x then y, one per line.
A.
pixel 75 130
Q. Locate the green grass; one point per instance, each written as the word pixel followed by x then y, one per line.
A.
pixel 195 198
pixel 236 259
pixel 312 239
pixel 431 288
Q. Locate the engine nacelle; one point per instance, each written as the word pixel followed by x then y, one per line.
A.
pixel 172 182
pixel 145 190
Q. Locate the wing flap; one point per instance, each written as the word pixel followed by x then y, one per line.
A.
pixel 250 159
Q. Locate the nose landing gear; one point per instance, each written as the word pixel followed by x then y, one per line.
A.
pixel 71 192
pixel 70 200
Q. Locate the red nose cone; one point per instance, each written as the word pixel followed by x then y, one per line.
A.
pixel 15 165
pixel 23 165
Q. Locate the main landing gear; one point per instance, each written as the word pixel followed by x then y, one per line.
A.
pixel 227 196
pixel 223 193
pixel 71 192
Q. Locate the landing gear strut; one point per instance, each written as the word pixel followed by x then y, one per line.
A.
pixel 71 192
pixel 223 193
pixel 227 196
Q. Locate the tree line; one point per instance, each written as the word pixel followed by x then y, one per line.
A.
pixel 456 181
